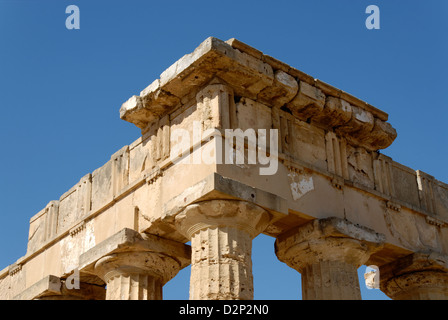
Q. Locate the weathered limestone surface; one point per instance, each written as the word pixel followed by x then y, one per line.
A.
pixel 419 276
pixel 328 252
pixel 54 288
pixel 329 165
pixel 221 233
pixel 135 266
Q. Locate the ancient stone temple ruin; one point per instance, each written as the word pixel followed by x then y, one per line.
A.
pixel 235 143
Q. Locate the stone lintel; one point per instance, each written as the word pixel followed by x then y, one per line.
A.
pixel 256 76
pixel 50 285
pixel 216 186
pixel 54 288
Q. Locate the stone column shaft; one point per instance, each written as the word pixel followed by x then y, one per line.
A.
pixel 134 287
pixel 330 279
pixel 221 233
pixel 221 264
pixel 327 253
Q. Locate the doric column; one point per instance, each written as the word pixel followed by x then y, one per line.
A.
pixel 221 233
pixel 418 276
pixel 138 275
pixel 328 252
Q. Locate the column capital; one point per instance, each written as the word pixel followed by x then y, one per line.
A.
pixel 238 214
pixel 327 252
pixel 329 239
pixel 416 276
pixel 135 266
pixel 137 262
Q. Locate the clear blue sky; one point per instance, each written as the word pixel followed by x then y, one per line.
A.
pixel 60 89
